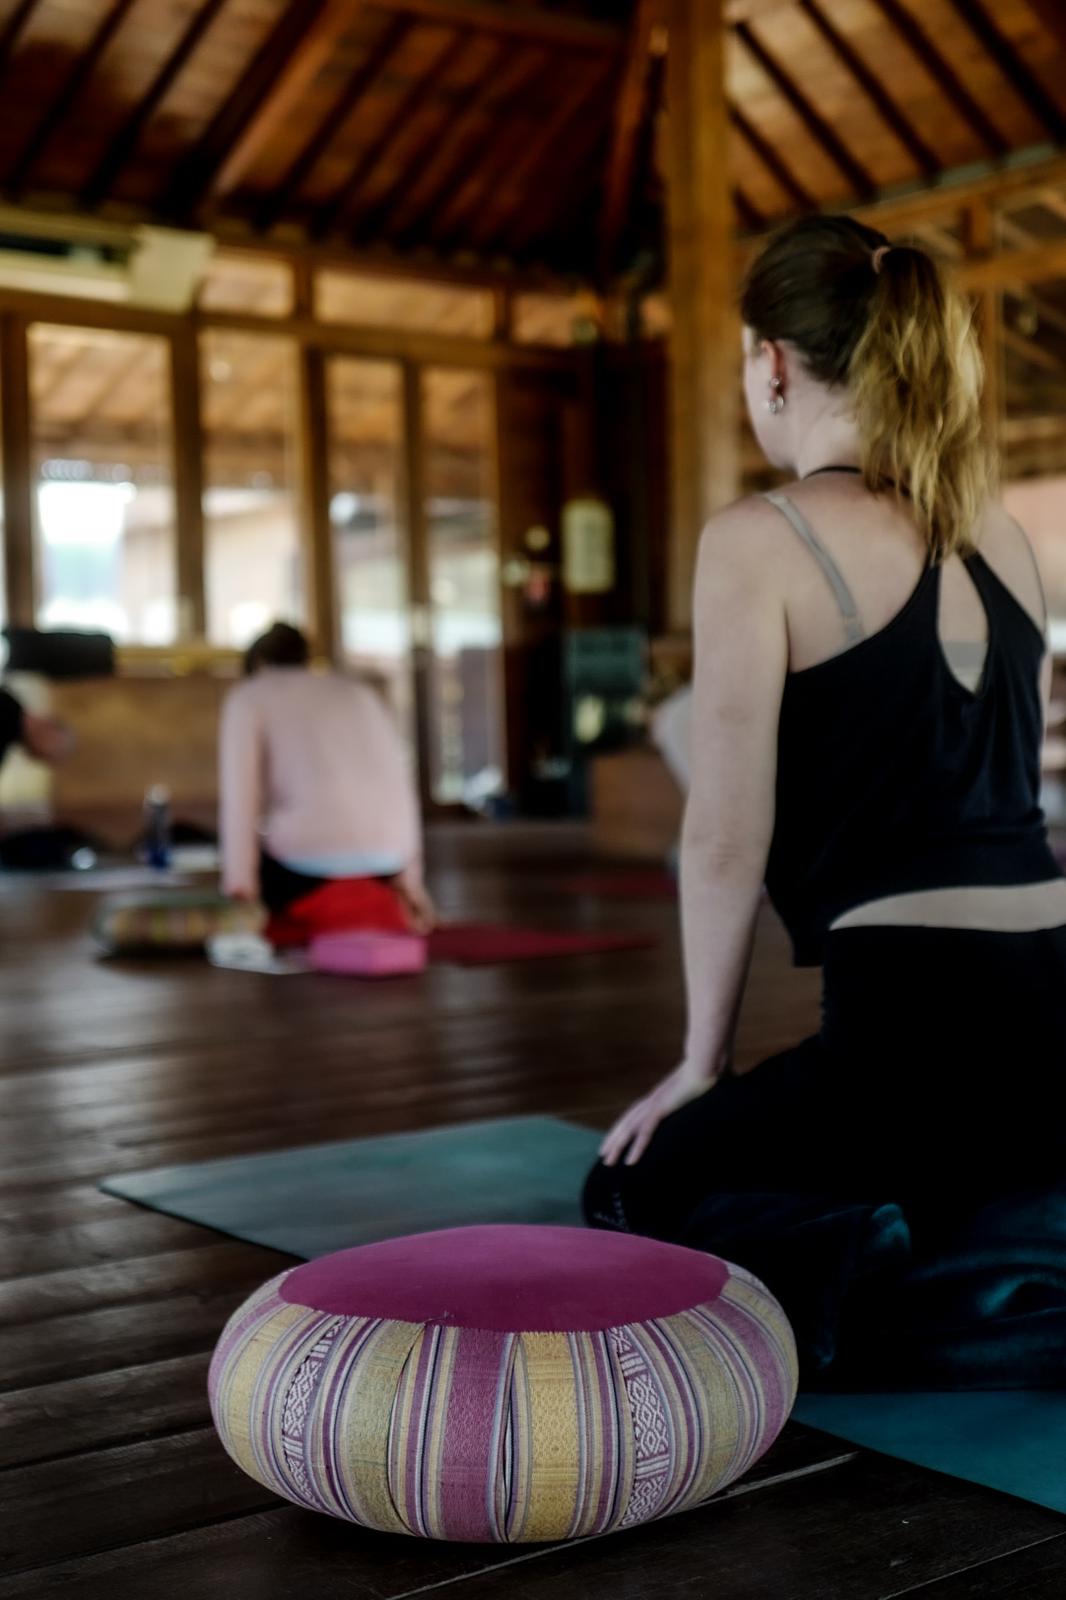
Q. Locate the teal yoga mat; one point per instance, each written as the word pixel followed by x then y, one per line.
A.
pixel 1011 1440
pixel 326 1197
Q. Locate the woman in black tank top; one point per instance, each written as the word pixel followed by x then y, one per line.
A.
pixel 899 1180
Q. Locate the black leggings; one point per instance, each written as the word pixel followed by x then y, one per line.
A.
pixel 280 886
pixel 936 1081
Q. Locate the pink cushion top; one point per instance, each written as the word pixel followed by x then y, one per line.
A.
pixel 511 1279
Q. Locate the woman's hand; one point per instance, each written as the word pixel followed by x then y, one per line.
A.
pixel 634 1130
pixel 421 911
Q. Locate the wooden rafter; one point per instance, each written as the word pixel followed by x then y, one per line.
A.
pixel 1053 17
pixel 946 79
pixel 85 64
pixel 326 23
pixel 392 210
pixel 749 217
pixel 263 87
pixel 625 136
pixel 528 22
pixel 997 184
pixel 1038 264
pixel 335 215
pixel 14 28
pixel 489 174
pixel 553 209
pixel 853 171
pixel 569 107
pixel 342 109
pixel 1025 84
pixel 465 141
pixel 126 140
pixel 771 159
pixel 872 88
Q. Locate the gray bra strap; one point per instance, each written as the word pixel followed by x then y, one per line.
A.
pixel 849 611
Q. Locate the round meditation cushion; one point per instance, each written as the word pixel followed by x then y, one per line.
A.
pixel 506 1384
pixel 170 920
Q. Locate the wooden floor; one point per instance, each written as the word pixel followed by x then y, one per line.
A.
pixel 111 1481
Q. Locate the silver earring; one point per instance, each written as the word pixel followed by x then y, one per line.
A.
pixel 776 402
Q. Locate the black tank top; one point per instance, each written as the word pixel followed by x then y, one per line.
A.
pixel 893 777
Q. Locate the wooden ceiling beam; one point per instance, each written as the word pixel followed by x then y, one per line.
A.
pixel 335 216
pixel 851 170
pixel 748 215
pixel 1052 16
pixel 552 210
pixel 291 53
pixel 526 21
pixel 568 109
pixel 468 140
pixel 485 178
pixel 1025 84
pixel 392 213
pixel 625 137
pixel 325 24
pixel 14 28
pixel 771 159
pixel 872 88
pixel 126 140
pixel 1037 264
pixel 63 102
pixel 939 200
pixel 376 63
pixel 946 79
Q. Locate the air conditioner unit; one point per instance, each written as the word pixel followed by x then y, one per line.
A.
pixel 136 265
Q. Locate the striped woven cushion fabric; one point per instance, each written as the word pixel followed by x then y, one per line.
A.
pixel 174 920
pixel 504 1384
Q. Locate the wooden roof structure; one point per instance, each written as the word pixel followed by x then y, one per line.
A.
pixel 498 135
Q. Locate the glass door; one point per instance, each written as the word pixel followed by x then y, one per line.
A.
pixel 371 549
pixel 465 669
pixel 440 661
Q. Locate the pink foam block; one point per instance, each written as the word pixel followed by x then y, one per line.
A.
pixel 367 954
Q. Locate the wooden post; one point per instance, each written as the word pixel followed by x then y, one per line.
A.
pixel 15 441
pixel 980 242
pixel 188 437
pixel 705 345
pixel 314 501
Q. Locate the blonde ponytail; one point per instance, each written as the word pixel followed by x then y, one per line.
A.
pixel 883 321
pixel 915 377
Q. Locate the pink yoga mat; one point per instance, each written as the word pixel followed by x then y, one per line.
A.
pixel 475 944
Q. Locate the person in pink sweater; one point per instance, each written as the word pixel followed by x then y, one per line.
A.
pixel 319 816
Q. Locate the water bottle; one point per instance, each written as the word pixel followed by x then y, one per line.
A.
pixel 157 826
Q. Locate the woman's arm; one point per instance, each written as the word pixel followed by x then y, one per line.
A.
pixel 741 660
pixel 240 786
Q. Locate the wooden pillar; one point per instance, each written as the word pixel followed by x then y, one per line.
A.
pixel 19 554
pixel 980 240
pixel 705 343
pixel 314 501
pixel 188 437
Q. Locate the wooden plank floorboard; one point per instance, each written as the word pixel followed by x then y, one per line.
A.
pixel 111 1481
pixel 1036 1573
pixel 858 1532
pixel 164 1484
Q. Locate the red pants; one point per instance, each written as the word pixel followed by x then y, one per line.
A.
pixel 342 906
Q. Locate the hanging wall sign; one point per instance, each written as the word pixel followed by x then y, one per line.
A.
pixel 588 546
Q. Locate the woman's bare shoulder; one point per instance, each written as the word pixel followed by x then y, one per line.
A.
pixel 1004 544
